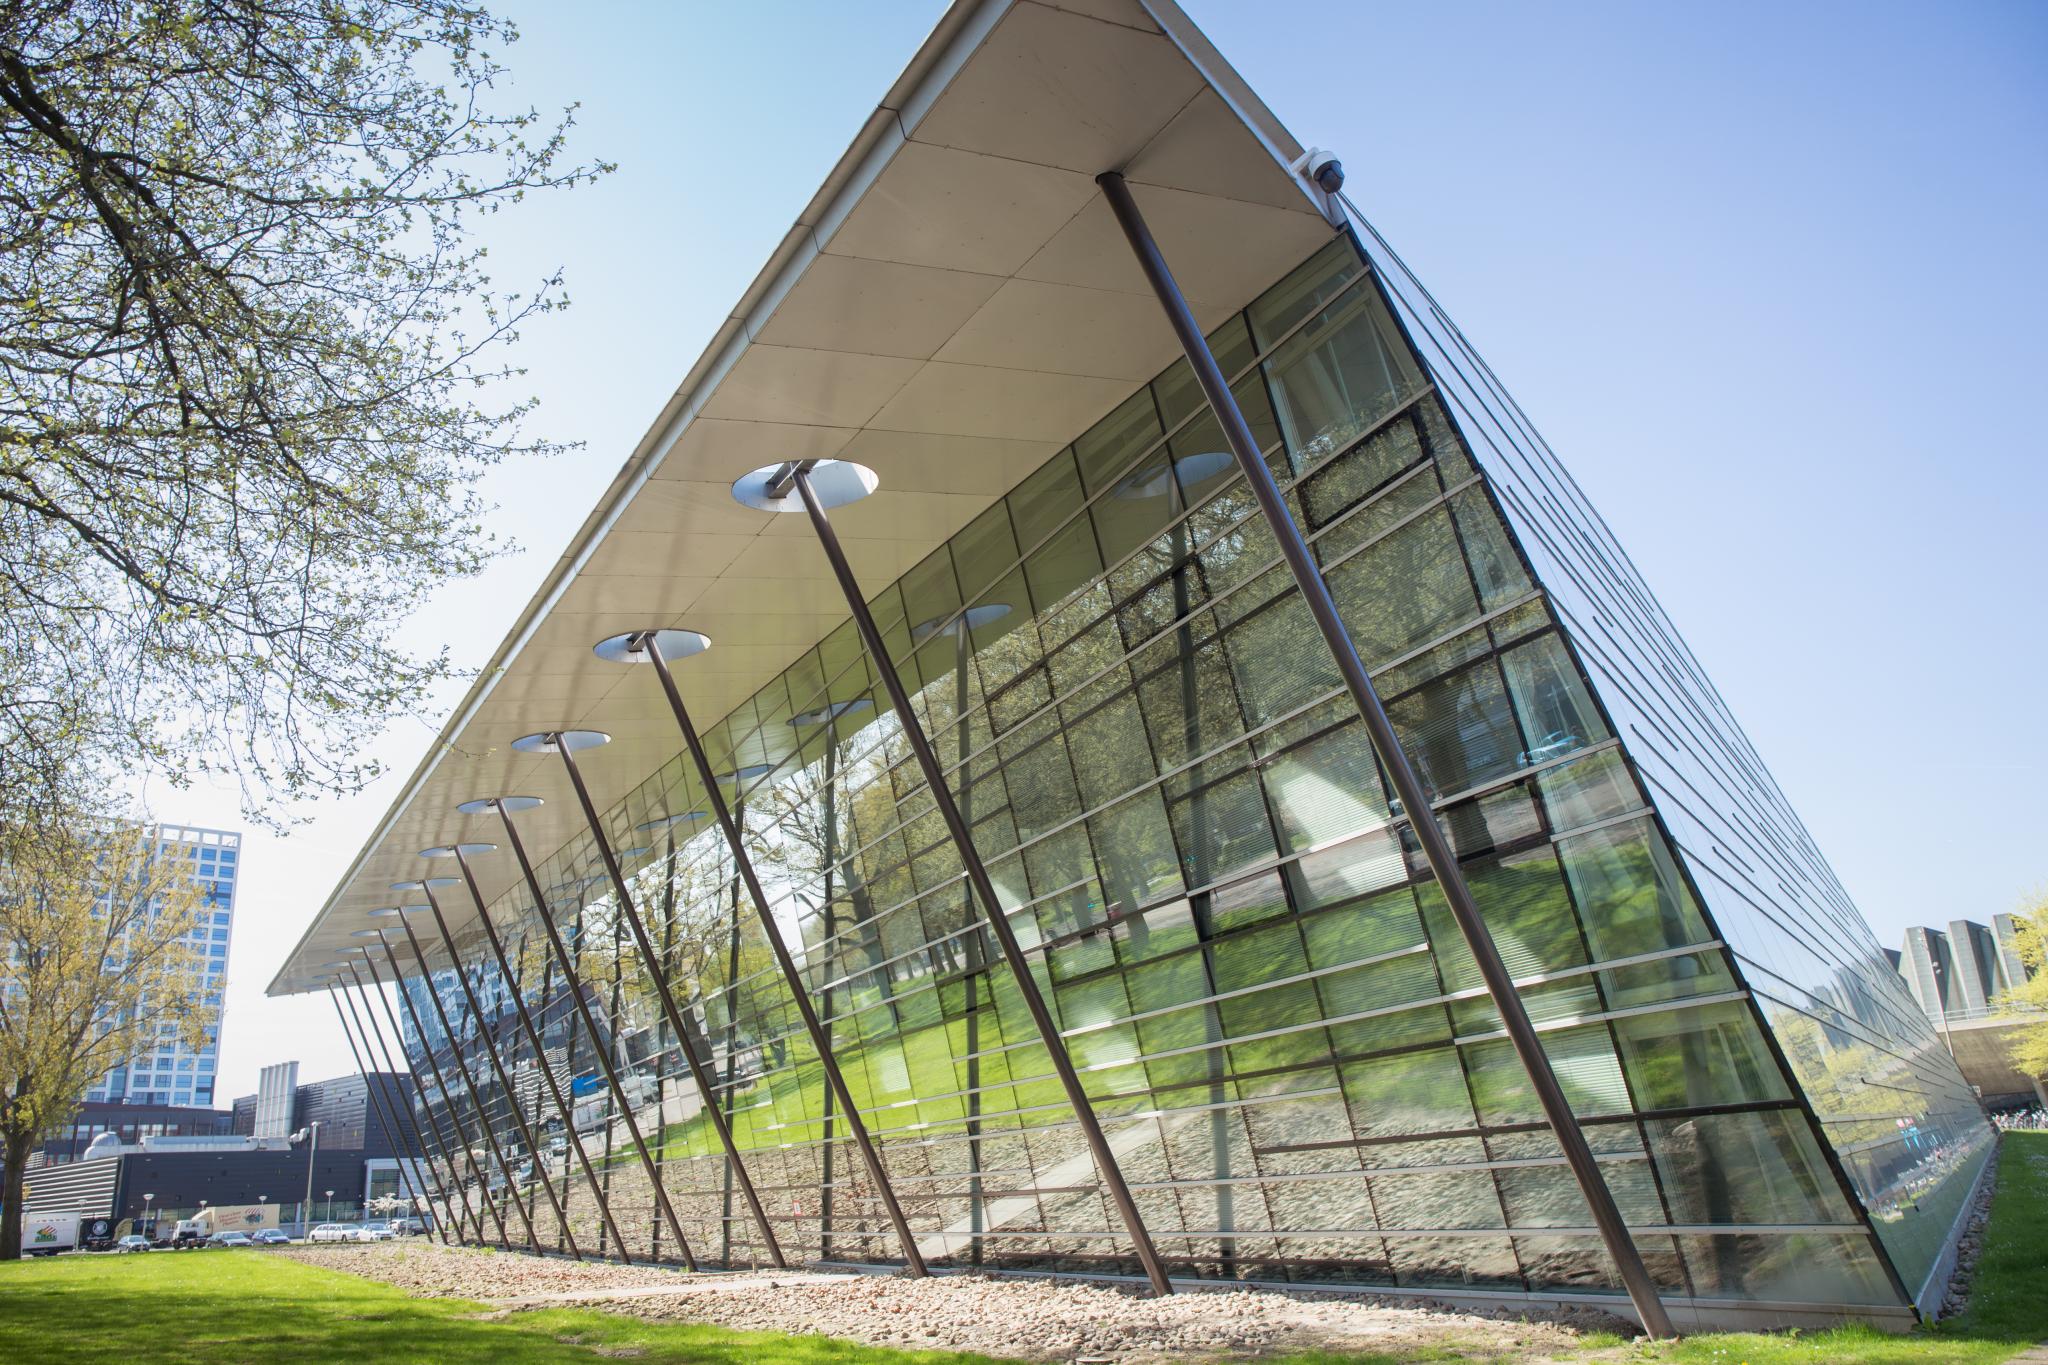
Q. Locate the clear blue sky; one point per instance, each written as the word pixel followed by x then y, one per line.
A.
pixel 1770 278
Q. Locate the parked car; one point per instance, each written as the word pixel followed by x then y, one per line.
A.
pixel 270 1237
pixel 409 1227
pixel 375 1232
pixel 231 1238
pixel 333 1232
pixel 133 1242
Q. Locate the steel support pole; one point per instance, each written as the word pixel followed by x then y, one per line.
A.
pixel 574 984
pixel 856 1126
pixel 484 1031
pixel 1436 849
pixel 399 1108
pixel 483 1185
pixel 374 1100
pixel 433 1127
pixel 476 1104
pixel 533 1038
pixel 409 1119
pixel 707 1090
pixel 1107 1170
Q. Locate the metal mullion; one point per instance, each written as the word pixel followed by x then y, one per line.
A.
pixel 408 1181
pixel 373 1100
pixel 1487 1130
pixel 1251 576
pixel 1633 591
pixel 1210 999
pixel 1602 1016
pixel 1159 635
pixel 1795 932
pixel 1935 1083
pixel 1469 993
pixel 1701 746
pixel 1376 1172
pixel 433 1125
pixel 1380 425
pixel 799 992
pixel 486 1032
pixel 1615 1237
pixel 419 1139
pixel 657 974
pixel 1383 1011
pixel 448 1103
pixel 469 1084
pixel 1026 986
pixel 1160 443
pixel 554 1088
pixel 1502 1232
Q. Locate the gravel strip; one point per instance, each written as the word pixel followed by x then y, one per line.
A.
pixel 1025 1319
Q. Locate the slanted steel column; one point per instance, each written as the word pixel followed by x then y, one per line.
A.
pixel 432 1127
pixel 374 1101
pixel 1106 1167
pixel 647 644
pixel 657 972
pixel 533 1038
pixel 469 1084
pixel 1443 861
pixel 399 1104
pixel 485 1032
pixel 572 981
pixel 483 1185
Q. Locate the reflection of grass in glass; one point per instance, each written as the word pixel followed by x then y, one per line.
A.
pixel 1525 900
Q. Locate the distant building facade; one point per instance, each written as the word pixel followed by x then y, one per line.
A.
pixel 174 1160
pixel 1960 973
pixel 1960 976
pixel 172 1071
pixel 131 1123
pixel 345 1110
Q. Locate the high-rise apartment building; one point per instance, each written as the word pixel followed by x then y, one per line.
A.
pixel 1171 984
pixel 173 1071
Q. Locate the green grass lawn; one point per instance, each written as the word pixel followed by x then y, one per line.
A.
pixel 245 1306
pixel 2008 1308
pixel 233 1307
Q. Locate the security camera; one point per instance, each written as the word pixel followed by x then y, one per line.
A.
pixel 1321 166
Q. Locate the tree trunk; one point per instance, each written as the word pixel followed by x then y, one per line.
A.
pixel 18 1147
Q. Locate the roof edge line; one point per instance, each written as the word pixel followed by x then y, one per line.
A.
pixel 958 33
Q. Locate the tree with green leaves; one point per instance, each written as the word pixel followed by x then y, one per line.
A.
pixel 2029 998
pixel 251 368
pixel 97 963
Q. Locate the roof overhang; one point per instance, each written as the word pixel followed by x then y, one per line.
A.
pixel 954 305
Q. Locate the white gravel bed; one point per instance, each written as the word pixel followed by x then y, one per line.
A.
pixel 1025 1319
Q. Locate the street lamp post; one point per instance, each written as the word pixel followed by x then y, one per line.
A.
pixel 149 1214
pixel 311 1132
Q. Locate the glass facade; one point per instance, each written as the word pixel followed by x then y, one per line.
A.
pixel 1287 1041
pixel 173 1071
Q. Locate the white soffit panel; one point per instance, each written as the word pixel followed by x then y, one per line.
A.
pixel 955 304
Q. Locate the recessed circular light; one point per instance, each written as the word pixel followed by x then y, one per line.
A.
pixel 631 648
pixel 835 483
pixel 554 741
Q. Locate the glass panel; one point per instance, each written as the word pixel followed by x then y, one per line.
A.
pixel 1244 951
